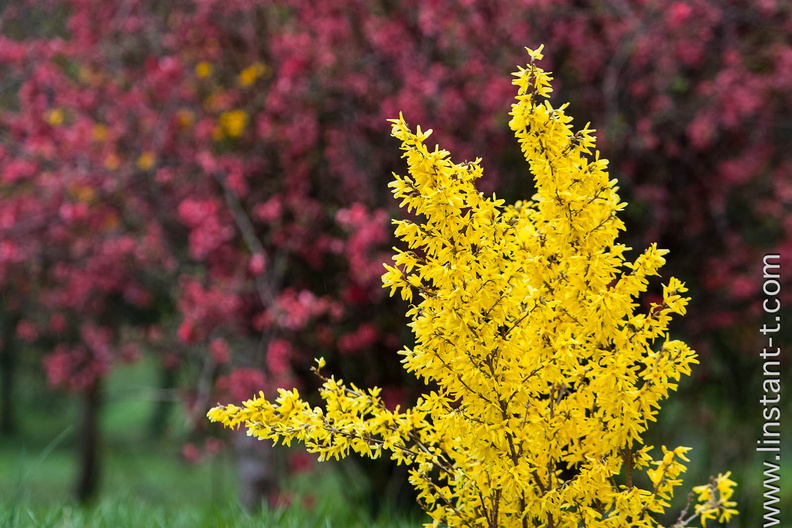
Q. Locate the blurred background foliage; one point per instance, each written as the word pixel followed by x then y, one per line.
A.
pixel 194 204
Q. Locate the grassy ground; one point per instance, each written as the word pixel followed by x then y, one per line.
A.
pixel 129 510
pixel 154 489
pixel 146 483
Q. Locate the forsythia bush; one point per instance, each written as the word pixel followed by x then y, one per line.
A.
pixel 544 377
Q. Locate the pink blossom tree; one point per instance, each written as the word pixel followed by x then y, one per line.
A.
pixel 206 180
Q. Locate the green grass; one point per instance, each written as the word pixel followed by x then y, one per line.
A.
pixel 145 486
pixel 152 473
pixel 145 482
pixel 38 465
pixel 120 513
pixel 129 511
pixel 167 493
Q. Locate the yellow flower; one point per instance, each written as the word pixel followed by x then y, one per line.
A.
pixel 704 492
pixel 82 193
pixel 55 117
pixel 234 122
pixel 99 132
pixel 714 499
pixel 89 76
pixel 185 117
pixel 146 161
pixel 249 75
pixel 203 69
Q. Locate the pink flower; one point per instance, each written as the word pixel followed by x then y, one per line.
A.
pixel 27 331
pixel 221 354
pixel 191 453
pixel 362 338
pixel 130 352
pixel 279 353
pixel 57 323
pixel 212 446
pixel 194 212
pixel 678 13
pixel 300 462
pixel 269 211
pixel 257 264
pixel 242 383
pixel 186 333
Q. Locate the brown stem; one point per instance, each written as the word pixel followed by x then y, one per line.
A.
pixel 628 462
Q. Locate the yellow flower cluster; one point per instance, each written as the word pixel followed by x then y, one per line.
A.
pixel 249 75
pixel 544 374
pixel 715 499
pixel 55 117
pixel 231 124
pixel 203 69
pixel 146 161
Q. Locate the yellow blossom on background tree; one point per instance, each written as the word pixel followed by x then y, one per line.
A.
pixel 249 75
pixel 203 69
pixel 233 123
pixel 544 374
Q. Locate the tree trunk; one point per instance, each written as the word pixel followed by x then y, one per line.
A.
pixel 89 444
pixel 258 470
pixel 8 365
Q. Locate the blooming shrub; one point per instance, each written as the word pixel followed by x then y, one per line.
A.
pixel 543 376
pixel 199 178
